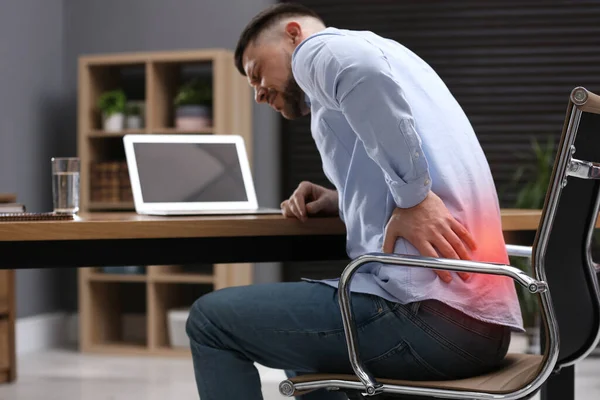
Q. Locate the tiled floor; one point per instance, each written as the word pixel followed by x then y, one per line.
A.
pixel 68 375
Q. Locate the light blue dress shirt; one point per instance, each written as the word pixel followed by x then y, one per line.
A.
pixel 388 131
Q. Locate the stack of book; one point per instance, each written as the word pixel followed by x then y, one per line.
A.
pixel 8 204
pixel 109 182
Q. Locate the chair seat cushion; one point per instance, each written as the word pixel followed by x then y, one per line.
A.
pixel 516 371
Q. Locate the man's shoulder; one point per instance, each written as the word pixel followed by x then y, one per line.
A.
pixel 335 42
pixel 316 46
pixel 332 50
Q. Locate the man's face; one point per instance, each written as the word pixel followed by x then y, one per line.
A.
pixel 268 66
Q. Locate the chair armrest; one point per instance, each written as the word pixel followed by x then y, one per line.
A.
pixel 533 285
pixel 371 385
pixel 518 251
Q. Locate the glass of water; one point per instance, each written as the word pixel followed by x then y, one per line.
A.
pixel 65 184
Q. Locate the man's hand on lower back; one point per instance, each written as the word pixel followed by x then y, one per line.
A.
pixel 430 228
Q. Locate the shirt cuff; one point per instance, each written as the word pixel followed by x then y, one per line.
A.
pixel 407 195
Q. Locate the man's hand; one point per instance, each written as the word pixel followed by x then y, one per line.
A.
pixel 431 229
pixel 309 199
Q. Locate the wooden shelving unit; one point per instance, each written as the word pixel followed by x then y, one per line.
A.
pixel 107 300
pixel 110 206
pixel 8 364
pixel 100 134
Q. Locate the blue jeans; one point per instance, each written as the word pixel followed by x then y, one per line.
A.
pixel 297 327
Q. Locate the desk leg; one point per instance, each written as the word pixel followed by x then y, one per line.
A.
pixel 560 386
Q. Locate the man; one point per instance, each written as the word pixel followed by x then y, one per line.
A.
pixel 410 178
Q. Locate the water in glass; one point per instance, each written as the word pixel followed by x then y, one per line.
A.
pixel 65 191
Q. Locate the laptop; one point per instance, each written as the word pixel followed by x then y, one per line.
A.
pixel 191 175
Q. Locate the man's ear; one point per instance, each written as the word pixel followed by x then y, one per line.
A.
pixel 293 31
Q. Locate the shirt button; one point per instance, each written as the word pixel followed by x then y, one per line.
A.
pixel 417 154
pixel 426 182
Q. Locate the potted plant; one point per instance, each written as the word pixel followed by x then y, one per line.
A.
pixel 193 105
pixel 134 116
pixel 112 107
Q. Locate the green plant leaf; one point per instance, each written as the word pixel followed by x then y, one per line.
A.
pixel 112 102
pixel 133 109
pixel 194 92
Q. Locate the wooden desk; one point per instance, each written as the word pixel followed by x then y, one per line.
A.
pixel 127 238
pixel 524 220
pixel 520 220
pixel 126 225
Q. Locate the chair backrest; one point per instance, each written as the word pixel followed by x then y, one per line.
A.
pixel 562 246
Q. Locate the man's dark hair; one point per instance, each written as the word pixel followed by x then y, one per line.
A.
pixel 264 20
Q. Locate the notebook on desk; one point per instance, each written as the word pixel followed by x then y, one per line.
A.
pixel 34 216
pixel 191 175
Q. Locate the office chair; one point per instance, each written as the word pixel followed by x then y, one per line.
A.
pixel 565 283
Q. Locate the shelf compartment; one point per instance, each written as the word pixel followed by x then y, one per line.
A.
pixel 110 185
pixel 166 78
pixel 162 298
pixel 131 78
pixel 110 148
pixel 119 312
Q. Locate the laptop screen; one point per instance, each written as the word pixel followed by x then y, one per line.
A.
pixel 189 172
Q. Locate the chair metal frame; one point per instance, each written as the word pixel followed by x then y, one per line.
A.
pixel 565 166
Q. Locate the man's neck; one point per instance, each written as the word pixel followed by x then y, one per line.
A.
pixel 310 29
pixel 313 28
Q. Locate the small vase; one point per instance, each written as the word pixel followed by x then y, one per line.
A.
pixel 134 122
pixel 114 122
pixel 193 117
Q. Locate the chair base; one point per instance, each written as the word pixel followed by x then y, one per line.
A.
pixel 560 386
